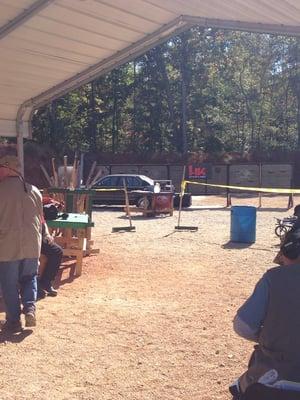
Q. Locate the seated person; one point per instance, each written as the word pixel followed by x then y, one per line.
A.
pixel 296 223
pixel 53 253
pixel 297 210
pixel 270 317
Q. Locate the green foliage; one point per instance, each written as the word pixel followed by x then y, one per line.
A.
pixel 206 89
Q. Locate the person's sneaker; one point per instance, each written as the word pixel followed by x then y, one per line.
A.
pixel 30 318
pixel 49 289
pixel 11 326
pixel 52 292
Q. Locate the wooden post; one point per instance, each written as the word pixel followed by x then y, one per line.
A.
pixel 129 228
pixel 96 177
pixel 46 174
pixel 182 189
pixel 90 174
pixel 291 195
pixel 260 184
pixel 66 183
pixel 55 176
pixel 127 203
pixel 181 195
pixel 228 196
pixel 80 174
pixel 291 201
pixel 73 175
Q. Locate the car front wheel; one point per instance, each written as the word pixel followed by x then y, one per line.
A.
pixel 143 202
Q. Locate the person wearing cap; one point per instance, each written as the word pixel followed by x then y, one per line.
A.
pixel 20 243
pixel 270 317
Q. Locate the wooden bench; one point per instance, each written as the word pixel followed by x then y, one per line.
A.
pixel 74 236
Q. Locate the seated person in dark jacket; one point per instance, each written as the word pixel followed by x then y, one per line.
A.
pixel 296 223
pixel 297 210
pixel 270 317
pixel 53 253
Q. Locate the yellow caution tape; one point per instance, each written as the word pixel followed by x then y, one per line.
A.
pixel 244 188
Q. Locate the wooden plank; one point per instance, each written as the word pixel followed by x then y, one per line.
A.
pixel 96 177
pixel 54 173
pixel 73 174
pixel 90 174
pixel 66 181
pixel 46 174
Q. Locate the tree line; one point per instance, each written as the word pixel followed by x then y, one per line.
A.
pixel 203 90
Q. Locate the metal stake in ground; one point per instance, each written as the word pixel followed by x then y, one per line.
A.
pixel 129 228
pixel 178 227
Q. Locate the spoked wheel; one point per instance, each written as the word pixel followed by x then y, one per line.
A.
pixel 280 231
pixel 143 202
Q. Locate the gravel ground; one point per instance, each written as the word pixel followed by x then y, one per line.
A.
pixel 151 316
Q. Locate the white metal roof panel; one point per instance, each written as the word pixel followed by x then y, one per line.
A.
pixel 11 9
pixel 49 47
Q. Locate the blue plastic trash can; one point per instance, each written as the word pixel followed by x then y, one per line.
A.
pixel 243 224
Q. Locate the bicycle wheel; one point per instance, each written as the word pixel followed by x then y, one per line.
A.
pixel 280 231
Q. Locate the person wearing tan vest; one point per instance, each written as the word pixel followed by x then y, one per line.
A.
pixel 20 244
pixel 271 318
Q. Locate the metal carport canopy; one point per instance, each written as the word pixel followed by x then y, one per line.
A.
pixel 49 47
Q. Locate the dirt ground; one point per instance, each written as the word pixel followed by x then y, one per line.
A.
pixel 151 316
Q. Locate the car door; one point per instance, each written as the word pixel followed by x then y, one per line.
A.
pixel 104 194
pixel 131 182
pixel 120 194
pixel 134 183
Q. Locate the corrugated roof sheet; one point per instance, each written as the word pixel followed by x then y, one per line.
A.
pixel 50 47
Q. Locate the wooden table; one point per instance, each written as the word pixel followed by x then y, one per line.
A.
pixel 74 236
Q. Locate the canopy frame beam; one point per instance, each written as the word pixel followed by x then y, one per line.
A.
pixel 20 19
pixel 257 27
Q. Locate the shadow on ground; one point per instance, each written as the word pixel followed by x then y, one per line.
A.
pixel 269 209
pixel 15 337
pixel 236 245
pixel 61 277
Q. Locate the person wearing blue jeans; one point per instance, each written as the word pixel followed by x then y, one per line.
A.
pixel 24 272
pixel 21 216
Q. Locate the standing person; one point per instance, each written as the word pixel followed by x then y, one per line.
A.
pixel 53 253
pixel 20 243
pixel 270 317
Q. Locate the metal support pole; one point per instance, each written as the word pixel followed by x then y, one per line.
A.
pixel 20 150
